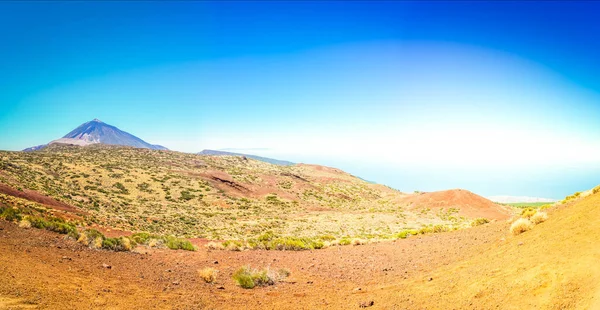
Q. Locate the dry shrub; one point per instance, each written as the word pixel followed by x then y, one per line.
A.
pixel 126 244
pixel 520 226
pixel 539 217
pixel 83 239
pixel 357 241
pixel 528 212
pixel 209 275
pixel 25 223
pixel 97 243
pixel 215 246
pixel 154 243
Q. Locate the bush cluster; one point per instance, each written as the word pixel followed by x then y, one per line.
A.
pixel 92 237
pixel 527 221
pixel 248 278
pixel 479 221
pixel 170 242
pixel 268 241
pixel 96 240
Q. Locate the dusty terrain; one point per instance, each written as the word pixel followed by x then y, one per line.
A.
pixel 42 269
pixel 553 266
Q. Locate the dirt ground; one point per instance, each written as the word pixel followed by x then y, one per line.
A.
pixel 42 269
pixel 554 266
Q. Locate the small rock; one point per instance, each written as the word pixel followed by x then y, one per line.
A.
pixel 366 304
pixel 221 288
pixel 430 279
pixel 216 262
pixel 176 282
pixel 358 289
pixel 106 266
pixel 521 243
pixel 168 270
pixel 66 258
pixel 309 282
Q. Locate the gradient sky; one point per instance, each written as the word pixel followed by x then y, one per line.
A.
pixel 501 98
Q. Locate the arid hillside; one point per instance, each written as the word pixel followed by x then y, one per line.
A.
pixel 469 204
pixel 120 190
pixel 552 266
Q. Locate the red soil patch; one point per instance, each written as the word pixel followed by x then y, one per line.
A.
pixel 34 196
pixel 470 204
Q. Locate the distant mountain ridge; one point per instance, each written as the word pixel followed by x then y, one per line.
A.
pixel 260 158
pixel 96 131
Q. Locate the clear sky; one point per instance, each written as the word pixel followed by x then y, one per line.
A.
pixel 501 98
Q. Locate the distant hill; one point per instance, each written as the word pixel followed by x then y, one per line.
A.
pixel 263 159
pixel 514 199
pixel 96 131
pixel 470 204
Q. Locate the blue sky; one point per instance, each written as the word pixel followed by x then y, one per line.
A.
pixel 500 98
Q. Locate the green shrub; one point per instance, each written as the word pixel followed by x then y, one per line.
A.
pixel 243 277
pixel 268 236
pixel 248 278
pixel 186 195
pixel 294 244
pixel 403 234
pixel 10 214
pixel 345 241
pixel 93 234
pixel 528 212
pixel 109 243
pixel 54 224
pixel 117 244
pixel 327 238
pixel 121 188
pixel 143 237
pixel 175 243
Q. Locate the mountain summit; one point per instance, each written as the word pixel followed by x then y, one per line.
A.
pixel 96 131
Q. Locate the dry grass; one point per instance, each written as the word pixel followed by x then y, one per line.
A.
pixel 539 217
pixel 209 275
pixel 25 223
pixel 520 226
pixel 215 246
pixel 358 241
